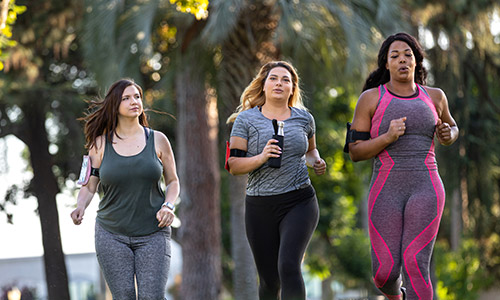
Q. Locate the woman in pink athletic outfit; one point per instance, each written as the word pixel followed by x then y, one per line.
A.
pixel 407 196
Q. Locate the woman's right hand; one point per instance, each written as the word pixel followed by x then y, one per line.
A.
pixel 397 128
pixel 270 150
pixel 77 215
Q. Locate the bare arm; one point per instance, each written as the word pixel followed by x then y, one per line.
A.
pixel 363 113
pixel 446 128
pixel 313 159
pixel 165 215
pixel 244 165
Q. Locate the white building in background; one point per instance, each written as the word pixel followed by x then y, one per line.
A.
pixel 84 276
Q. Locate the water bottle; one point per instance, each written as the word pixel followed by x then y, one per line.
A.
pixel 275 162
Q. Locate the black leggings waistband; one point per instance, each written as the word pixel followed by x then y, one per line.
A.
pixel 292 196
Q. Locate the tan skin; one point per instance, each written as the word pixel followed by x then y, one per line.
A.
pixel 132 142
pixel 278 88
pixel 401 65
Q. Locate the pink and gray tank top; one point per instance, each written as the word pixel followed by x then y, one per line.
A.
pixel 415 149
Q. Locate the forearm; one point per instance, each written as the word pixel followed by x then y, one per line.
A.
pixel 363 150
pixel 244 165
pixel 311 157
pixel 172 191
pixel 85 196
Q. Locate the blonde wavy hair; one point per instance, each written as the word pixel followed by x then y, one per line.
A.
pixel 253 95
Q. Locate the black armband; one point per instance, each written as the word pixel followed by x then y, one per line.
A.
pixel 237 153
pixel 353 135
pixel 94 172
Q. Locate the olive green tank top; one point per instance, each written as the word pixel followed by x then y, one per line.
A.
pixel 132 190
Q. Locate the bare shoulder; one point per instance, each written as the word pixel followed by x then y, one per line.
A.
pixel 438 98
pixel 435 93
pixel 368 100
pixel 369 96
pixel 162 144
pixel 96 152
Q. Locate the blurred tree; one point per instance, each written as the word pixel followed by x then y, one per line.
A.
pixel 39 103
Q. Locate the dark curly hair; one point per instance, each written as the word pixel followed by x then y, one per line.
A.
pixel 381 74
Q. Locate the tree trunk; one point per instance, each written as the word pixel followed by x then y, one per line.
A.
pixel 200 233
pixel 44 187
pixel 246 48
pixel 244 273
pixel 326 289
pixel 456 220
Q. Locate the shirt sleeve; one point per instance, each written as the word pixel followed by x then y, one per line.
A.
pixel 240 128
pixel 311 128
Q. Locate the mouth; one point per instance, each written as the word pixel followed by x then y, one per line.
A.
pixel 278 91
pixel 403 69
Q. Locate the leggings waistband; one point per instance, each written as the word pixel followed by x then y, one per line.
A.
pixel 296 195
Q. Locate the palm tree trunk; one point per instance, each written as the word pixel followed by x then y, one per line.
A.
pixel 200 233
pixel 244 51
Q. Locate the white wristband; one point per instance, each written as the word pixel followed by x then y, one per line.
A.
pixel 168 205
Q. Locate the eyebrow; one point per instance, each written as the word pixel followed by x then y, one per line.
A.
pixel 276 75
pixel 128 95
pixel 407 49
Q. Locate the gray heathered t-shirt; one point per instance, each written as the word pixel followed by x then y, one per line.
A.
pixel 253 126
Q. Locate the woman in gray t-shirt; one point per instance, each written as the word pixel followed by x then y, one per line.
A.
pixel 281 211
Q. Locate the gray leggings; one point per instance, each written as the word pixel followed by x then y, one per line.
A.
pixel 147 257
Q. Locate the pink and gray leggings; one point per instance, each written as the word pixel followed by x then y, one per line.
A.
pixel 404 210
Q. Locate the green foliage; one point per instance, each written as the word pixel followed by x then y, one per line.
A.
pixel 199 8
pixel 7 21
pixel 460 273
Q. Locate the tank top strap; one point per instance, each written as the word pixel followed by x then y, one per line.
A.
pixel 150 139
pixel 421 88
pixel 382 90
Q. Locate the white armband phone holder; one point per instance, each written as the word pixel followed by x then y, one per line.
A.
pixel 86 171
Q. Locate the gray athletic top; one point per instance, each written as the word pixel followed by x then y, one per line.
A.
pixel 253 126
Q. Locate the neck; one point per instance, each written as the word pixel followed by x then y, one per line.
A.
pixel 402 88
pixel 276 110
pixel 127 128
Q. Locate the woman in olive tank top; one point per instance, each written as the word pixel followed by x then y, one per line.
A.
pixel 132 234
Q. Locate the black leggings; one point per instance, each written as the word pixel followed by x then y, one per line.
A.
pixel 279 229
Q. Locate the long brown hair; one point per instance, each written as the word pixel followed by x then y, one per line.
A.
pixel 102 118
pixel 253 95
pixel 381 74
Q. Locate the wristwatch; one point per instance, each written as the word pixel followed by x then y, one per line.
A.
pixel 168 205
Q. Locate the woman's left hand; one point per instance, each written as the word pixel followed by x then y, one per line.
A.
pixel 319 166
pixel 443 131
pixel 165 217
